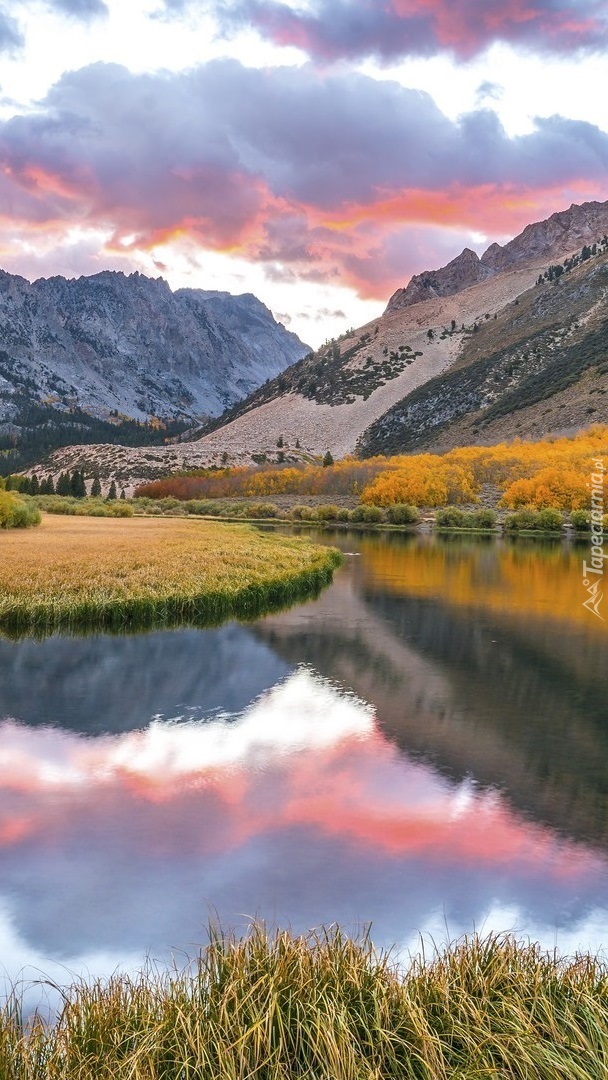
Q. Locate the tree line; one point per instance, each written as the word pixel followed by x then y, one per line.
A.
pixel 72 484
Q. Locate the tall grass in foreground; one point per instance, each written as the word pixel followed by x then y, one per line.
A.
pixel 96 573
pixel 324 1007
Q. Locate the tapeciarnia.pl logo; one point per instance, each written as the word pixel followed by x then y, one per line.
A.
pixel 593 571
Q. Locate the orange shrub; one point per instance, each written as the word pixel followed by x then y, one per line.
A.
pixel 561 488
pixel 426 483
pixel 548 472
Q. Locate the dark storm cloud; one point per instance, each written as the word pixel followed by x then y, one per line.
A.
pixel 334 29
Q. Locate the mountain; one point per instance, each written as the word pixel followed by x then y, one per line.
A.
pixel 565 231
pixel 112 346
pixel 539 366
pixel 512 343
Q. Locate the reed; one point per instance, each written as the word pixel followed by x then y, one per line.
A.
pixel 96 573
pixel 324 1007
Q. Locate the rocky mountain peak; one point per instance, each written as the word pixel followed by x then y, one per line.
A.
pixel 128 345
pixel 562 233
pixel 465 270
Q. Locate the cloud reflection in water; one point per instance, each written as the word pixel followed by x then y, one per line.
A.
pixel 298 809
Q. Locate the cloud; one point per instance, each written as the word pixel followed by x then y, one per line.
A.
pixel 77 9
pixel 488 90
pixel 11 37
pixel 80 9
pixel 298 808
pixel 313 173
pixel 338 29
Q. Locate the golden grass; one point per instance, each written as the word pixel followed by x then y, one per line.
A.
pixel 97 572
pixel 324 1007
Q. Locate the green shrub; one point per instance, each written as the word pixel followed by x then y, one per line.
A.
pixel 581 520
pixel 170 503
pixel 483 519
pixel 450 517
pixel 551 519
pixel 201 507
pixel 546 520
pixel 523 519
pixel 343 514
pixel 16 513
pixel 65 504
pixel 402 514
pixel 371 515
pixel 261 510
pixel 328 512
pixel 121 509
pixel 302 513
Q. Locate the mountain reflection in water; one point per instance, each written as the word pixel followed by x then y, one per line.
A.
pixel 412 749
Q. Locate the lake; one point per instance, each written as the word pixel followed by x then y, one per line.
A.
pixel 423 748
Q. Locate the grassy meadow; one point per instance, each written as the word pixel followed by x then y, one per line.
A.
pixel 323 1007
pixel 94 573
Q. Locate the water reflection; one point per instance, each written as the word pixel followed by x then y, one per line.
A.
pixel 112 684
pixel 464 675
pixel 411 749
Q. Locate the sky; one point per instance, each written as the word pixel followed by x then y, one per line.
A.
pixel 314 152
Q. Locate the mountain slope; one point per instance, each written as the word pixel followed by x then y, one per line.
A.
pixel 540 366
pixel 111 344
pixel 424 370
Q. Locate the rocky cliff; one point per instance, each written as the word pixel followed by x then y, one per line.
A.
pixel 129 345
pixel 567 230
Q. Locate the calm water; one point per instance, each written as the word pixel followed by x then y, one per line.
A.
pixel 424 748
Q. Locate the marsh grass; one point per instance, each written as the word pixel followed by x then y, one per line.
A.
pixel 324 1007
pixel 95 573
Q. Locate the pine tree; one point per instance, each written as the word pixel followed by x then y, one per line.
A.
pixel 112 491
pixel 96 487
pixel 63 484
pixel 77 485
pixel 34 485
pixel 328 459
pixel 122 493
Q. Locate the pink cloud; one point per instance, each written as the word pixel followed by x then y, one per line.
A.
pixel 331 177
pixel 337 29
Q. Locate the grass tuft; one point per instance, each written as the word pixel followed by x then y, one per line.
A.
pixel 324 1007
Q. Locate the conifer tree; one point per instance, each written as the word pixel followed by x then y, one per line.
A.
pixel 77 485
pixel 112 491
pixel 63 484
pixel 96 487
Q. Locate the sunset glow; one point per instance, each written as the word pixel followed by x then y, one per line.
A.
pixel 312 158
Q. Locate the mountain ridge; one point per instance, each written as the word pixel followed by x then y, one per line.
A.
pixel 556 235
pixel 354 394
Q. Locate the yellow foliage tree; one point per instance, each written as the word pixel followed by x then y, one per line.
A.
pixel 565 489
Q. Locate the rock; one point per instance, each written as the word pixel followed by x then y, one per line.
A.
pixel 129 344
pixel 564 231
